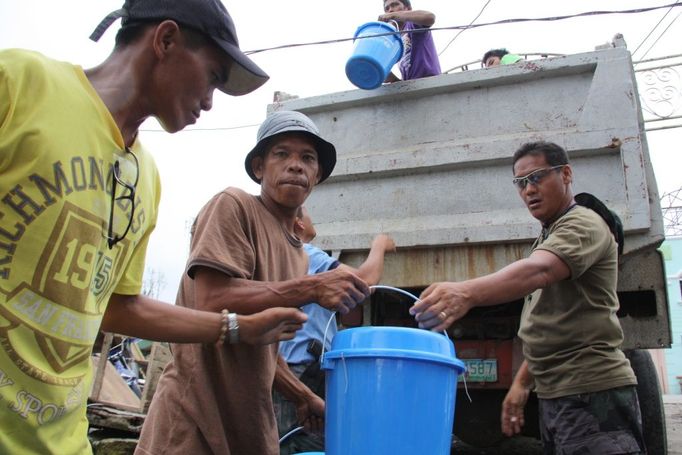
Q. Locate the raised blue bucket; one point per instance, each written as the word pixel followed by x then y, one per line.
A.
pixel 390 390
pixel 373 57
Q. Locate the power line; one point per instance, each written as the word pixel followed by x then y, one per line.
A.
pixel 465 27
pixel 219 128
pixel 469 26
pixel 652 30
pixel 659 36
pixel 461 28
pixel 671 206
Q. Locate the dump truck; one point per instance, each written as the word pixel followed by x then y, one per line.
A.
pixel 429 161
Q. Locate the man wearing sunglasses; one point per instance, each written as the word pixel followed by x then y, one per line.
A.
pixel 79 202
pixel 570 332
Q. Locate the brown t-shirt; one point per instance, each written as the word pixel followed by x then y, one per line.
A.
pixel 570 331
pixel 218 400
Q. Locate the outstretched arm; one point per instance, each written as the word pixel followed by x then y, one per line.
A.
pixel 339 290
pixel 419 17
pixel 144 317
pixel 441 304
pixel 373 267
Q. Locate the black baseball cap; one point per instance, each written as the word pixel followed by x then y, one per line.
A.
pixel 280 122
pixel 209 17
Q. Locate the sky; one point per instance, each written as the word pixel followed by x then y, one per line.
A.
pixel 208 156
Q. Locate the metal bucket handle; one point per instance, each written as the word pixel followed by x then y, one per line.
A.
pixel 377 286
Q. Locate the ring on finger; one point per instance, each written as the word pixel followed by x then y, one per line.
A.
pixel 443 315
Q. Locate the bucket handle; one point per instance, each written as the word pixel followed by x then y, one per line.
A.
pixel 394 24
pixel 377 286
pixel 291 433
pixel 399 34
pixel 401 291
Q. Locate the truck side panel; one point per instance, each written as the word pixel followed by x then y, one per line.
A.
pixel 429 161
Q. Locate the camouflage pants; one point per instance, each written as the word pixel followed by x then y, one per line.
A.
pixel 600 423
pixel 285 411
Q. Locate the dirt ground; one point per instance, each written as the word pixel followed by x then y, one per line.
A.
pixel 513 446
pixel 673 419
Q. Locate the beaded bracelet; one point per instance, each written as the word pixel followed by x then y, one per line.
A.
pixel 225 317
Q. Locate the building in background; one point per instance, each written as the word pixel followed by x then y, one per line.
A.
pixel 672 253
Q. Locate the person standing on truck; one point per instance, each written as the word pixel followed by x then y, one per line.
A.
pixel 245 251
pixel 569 328
pixel 495 57
pixel 302 353
pixel 80 197
pixel 420 58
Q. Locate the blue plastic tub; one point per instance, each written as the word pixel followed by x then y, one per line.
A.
pixel 373 57
pixel 390 390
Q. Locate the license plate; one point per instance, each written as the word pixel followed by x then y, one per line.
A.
pixel 480 370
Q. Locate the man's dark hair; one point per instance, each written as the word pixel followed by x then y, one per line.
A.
pixel 130 33
pixel 494 53
pixel 554 154
pixel 406 3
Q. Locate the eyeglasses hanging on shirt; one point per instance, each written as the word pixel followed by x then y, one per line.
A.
pixel 126 190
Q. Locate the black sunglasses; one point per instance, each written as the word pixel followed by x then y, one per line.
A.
pixel 128 193
pixel 534 177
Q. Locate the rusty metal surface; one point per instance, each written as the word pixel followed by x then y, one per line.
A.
pixel 648 325
pixel 419 267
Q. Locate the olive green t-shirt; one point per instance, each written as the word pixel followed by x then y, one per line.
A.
pixel 571 334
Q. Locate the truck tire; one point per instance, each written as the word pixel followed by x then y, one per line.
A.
pixel 650 402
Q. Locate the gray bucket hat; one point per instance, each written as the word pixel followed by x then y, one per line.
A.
pixel 287 121
pixel 209 17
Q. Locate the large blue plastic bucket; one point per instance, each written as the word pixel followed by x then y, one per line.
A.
pixel 390 390
pixel 373 57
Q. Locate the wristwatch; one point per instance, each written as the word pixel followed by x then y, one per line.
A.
pixel 233 328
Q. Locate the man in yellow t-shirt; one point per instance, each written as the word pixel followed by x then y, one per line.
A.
pixel 79 198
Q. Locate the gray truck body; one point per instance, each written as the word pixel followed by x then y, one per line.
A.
pixel 429 161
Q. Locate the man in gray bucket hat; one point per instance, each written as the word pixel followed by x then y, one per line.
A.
pixel 289 121
pixel 246 256
pixel 80 201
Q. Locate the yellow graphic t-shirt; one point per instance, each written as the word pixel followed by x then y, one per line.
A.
pixel 59 147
